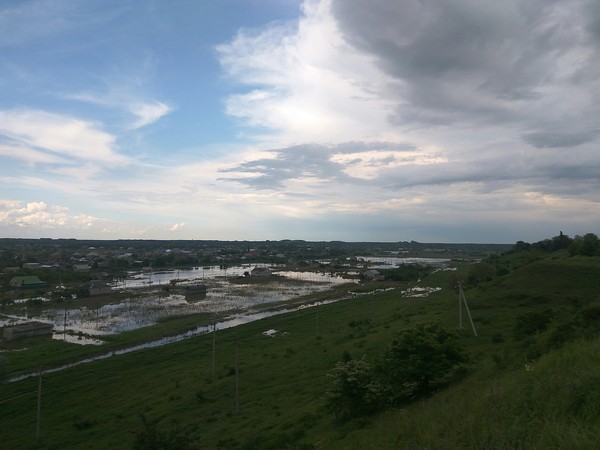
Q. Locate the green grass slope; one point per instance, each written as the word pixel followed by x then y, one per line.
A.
pixel 533 381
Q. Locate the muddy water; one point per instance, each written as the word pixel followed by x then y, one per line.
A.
pixel 87 325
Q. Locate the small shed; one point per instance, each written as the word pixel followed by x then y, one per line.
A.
pixel 28 329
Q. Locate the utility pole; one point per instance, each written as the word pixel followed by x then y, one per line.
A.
pixel 39 408
pixel 463 300
pixel 214 348
pixel 237 378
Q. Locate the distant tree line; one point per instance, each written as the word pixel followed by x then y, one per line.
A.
pixel 586 245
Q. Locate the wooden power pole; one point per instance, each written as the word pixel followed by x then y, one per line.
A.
pixel 463 300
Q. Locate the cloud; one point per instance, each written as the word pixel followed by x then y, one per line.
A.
pixel 305 83
pixel 372 70
pixel 557 139
pixel 48 135
pixel 177 226
pixel 144 112
pixel 40 215
pixel 441 109
pixel 522 65
pixel 345 163
pixel 148 113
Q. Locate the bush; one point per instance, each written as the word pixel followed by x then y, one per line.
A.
pixel 355 391
pixel 420 361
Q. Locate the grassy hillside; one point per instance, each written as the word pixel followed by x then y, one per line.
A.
pixel 533 381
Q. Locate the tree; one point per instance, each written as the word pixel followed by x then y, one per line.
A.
pixel 480 272
pixel 419 361
pixel 355 391
pixel 588 245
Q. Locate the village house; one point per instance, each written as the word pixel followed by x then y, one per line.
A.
pixel 373 275
pixel 98 288
pixel 27 282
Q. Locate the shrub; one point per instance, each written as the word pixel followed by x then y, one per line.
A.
pixel 419 361
pixel 532 323
pixel 355 391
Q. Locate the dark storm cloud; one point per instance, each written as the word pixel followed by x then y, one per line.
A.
pixel 307 161
pixel 559 139
pixel 463 62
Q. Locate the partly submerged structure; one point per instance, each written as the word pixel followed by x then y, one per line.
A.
pixel 194 289
pixel 261 272
pixel 98 288
pixel 27 282
pixel 28 329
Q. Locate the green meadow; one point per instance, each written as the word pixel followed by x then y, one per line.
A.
pixel 533 381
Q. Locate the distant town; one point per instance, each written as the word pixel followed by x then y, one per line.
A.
pixel 85 266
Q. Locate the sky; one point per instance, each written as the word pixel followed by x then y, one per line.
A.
pixel 353 120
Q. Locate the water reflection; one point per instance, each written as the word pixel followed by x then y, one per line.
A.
pixel 87 324
pixel 231 322
pixel 388 262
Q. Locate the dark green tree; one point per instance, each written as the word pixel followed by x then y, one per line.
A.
pixel 587 245
pixel 419 361
pixel 480 272
pixel 355 391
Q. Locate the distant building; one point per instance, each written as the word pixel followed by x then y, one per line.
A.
pixel 261 272
pixel 195 289
pixel 81 267
pixel 27 330
pixel 27 282
pixel 372 274
pixel 98 288
pixel 31 265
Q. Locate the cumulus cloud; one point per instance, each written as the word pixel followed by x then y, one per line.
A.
pixel 177 226
pixel 305 83
pixel 40 215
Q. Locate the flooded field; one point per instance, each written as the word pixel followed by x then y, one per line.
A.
pixel 228 291
pixel 147 298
